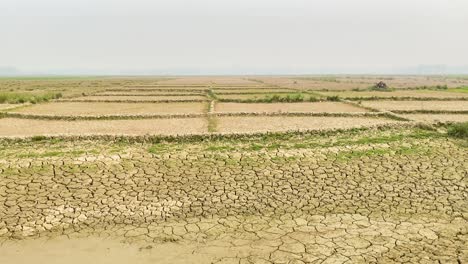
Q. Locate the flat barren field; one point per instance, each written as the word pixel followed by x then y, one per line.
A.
pixel 431 118
pixel 418 105
pixel 249 124
pixel 252 90
pixel 171 126
pixel 149 93
pixel 85 108
pixel 138 98
pixel 290 180
pixel 328 107
pixel 257 96
pixel 399 93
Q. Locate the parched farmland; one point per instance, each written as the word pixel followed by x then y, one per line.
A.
pixel 233 170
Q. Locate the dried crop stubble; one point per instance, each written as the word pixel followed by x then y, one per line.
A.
pixel 86 108
pixel 13 127
pixel 280 123
pixel 418 105
pixel 329 107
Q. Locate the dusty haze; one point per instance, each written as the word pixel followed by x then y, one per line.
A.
pixel 233 37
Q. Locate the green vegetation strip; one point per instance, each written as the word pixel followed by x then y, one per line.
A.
pixel 289 98
pixel 19 98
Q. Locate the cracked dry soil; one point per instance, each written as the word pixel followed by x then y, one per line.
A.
pixel 385 202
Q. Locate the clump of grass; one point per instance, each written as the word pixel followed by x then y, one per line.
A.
pixel 334 98
pixel 19 98
pixel 38 138
pixel 288 98
pixel 156 148
pixel 458 130
pixel 212 95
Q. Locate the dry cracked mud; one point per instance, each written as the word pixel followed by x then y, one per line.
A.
pixel 364 196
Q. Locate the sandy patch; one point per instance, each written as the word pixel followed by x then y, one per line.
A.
pixel 418 105
pixel 280 123
pixel 330 107
pixel 96 250
pixel 85 108
pixel 32 127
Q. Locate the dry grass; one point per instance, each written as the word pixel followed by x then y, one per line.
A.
pixel 84 108
pixel 12 127
pixel 418 105
pixel 329 107
pixel 280 123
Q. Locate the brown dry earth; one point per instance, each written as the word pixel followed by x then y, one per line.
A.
pixel 149 93
pixel 87 108
pixel 436 118
pixel 247 124
pixel 418 105
pixel 412 93
pixel 329 107
pixel 401 201
pixel 16 127
pixel 13 127
pixel 249 96
pixel 137 98
pixel 250 90
pixel 362 82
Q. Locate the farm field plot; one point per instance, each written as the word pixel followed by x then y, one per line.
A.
pixel 408 93
pixel 12 127
pixel 329 107
pixel 431 118
pixel 344 82
pixel 252 90
pixel 86 108
pixel 288 179
pixel 248 124
pixel 149 93
pixel 259 96
pixel 418 105
pixel 163 88
pixel 137 98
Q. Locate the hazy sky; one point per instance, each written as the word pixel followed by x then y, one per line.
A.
pixel 231 36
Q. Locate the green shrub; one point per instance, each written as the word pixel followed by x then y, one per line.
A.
pixel 458 130
pixel 38 138
pixel 334 98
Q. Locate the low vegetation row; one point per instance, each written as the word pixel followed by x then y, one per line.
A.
pixel 19 98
